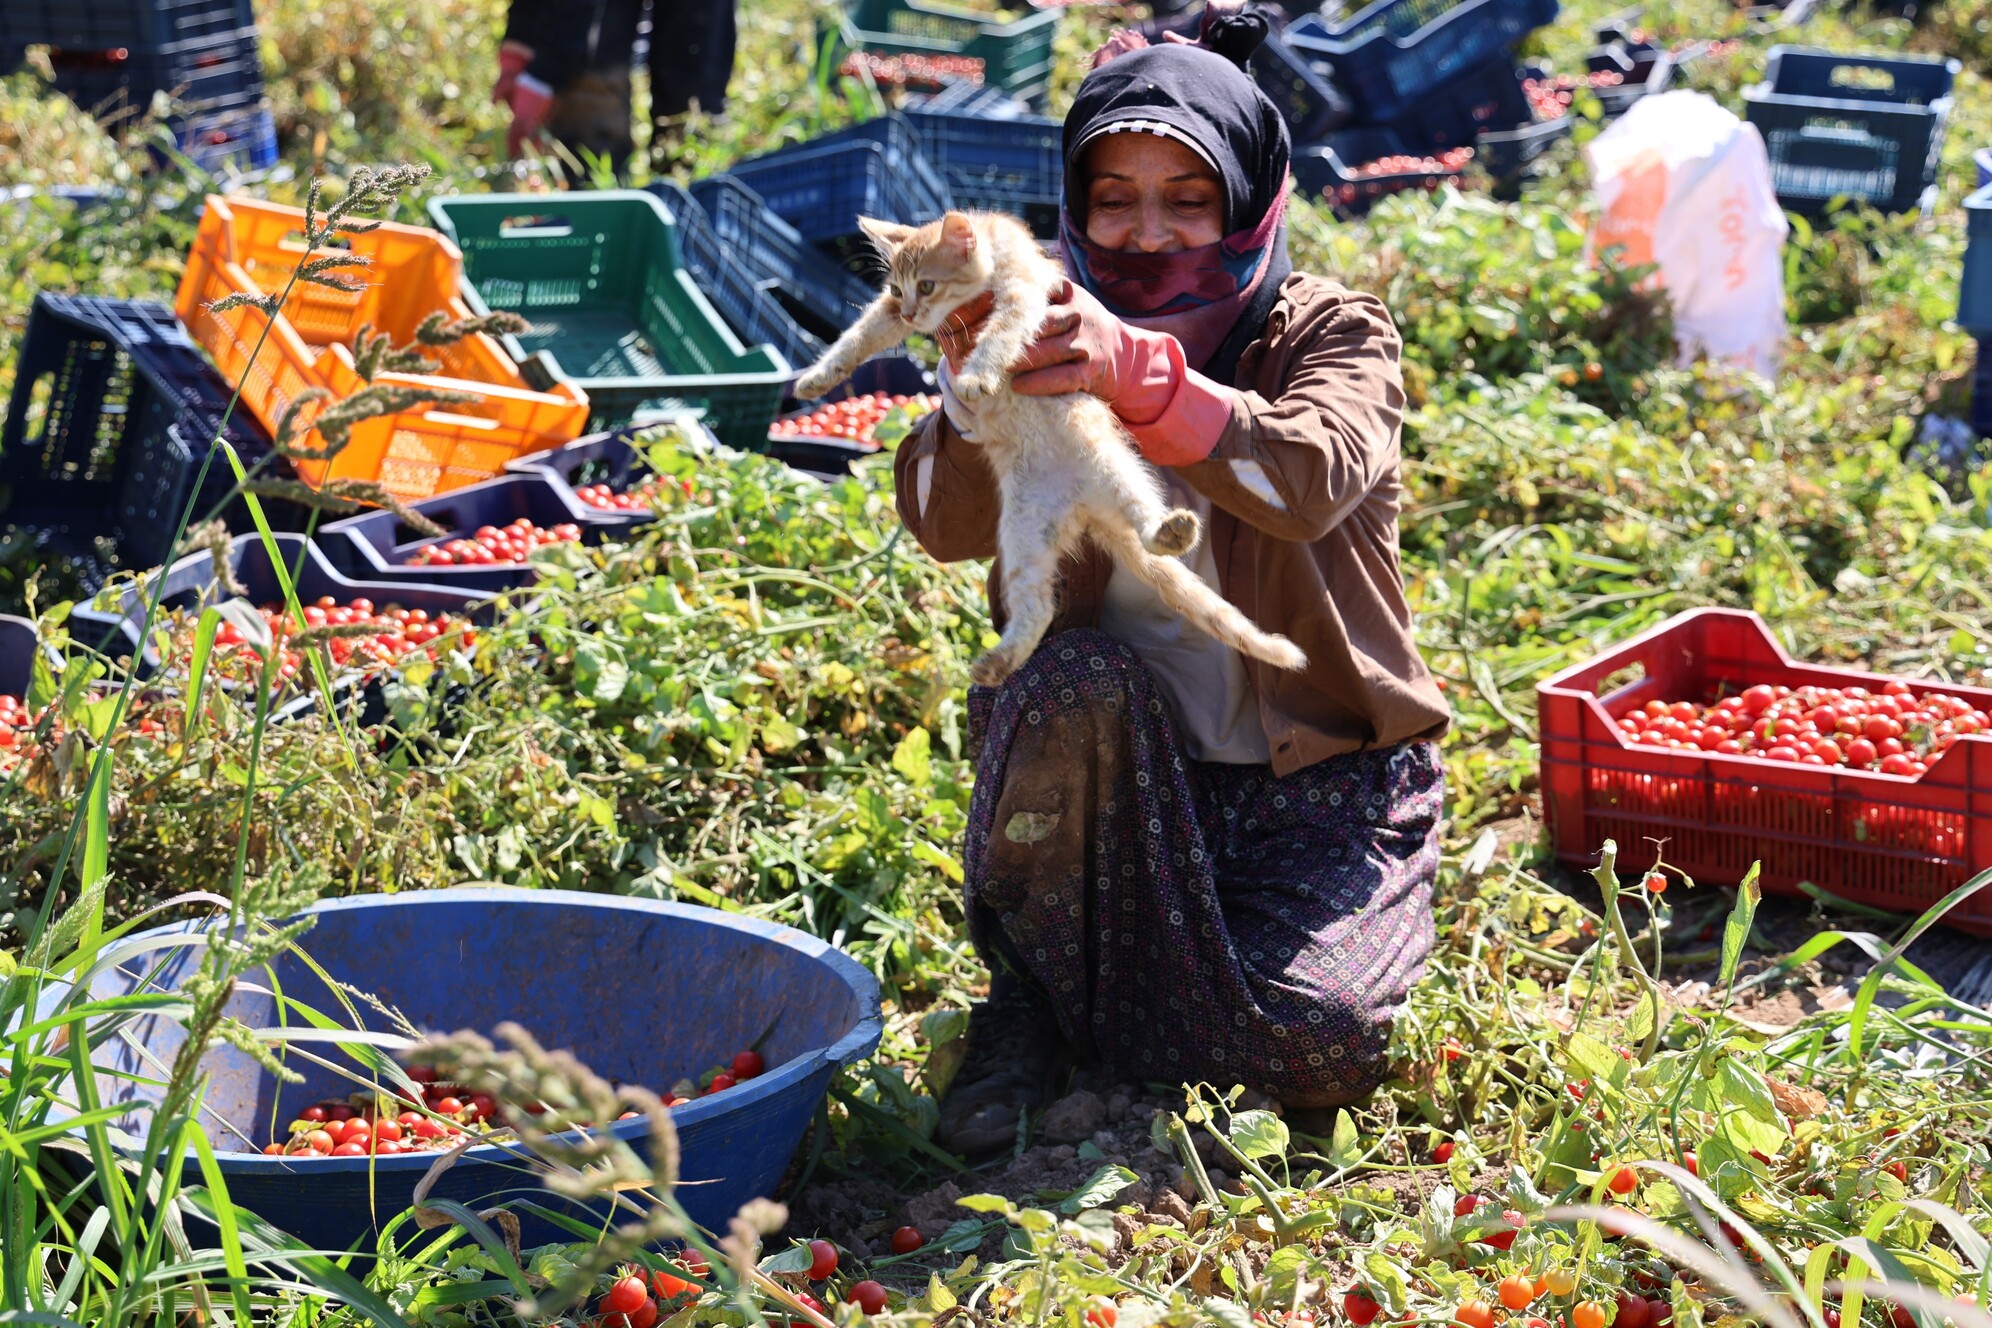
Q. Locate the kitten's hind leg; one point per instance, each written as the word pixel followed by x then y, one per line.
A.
pixel 878 329
pixel 1030 594
pixel 1132 490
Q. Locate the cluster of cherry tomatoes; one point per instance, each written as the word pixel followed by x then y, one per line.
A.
pixel 341 1129
pixel 1395 174
pixel 494 544
pixel 853 418
pixel 642 498
pixel 913 70
pixel 1892 731
pixel 399 633
pixel 745 1065
pixel 1450 162
pixel 628 1302
pixel 17 728
pixel 1550 98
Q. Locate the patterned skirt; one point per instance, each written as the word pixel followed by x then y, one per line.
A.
pixel 1193 921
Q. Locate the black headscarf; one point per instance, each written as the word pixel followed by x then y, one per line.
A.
pixel 1202 96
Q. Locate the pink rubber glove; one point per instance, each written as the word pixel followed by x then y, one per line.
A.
pixel 1175 414
pixel 513 57
pixel 530 100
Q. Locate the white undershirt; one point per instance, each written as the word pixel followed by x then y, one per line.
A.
pixel 1205 683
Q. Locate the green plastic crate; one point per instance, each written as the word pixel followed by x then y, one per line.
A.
pixel 612 307
pixel 1015 55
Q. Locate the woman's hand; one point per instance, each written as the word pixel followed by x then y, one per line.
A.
pixel 1081 348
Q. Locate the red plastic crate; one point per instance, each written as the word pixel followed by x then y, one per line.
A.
pixel 1881 840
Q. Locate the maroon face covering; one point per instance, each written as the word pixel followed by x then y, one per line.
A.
pixel 1195 295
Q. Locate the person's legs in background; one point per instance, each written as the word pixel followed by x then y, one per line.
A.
pixel 691 62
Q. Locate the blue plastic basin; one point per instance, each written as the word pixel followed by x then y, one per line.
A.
pixel 643 992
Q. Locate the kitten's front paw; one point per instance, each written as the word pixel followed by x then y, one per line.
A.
pixel 816 383
pixel 992 669
pixel 1177 534
pixel 973 386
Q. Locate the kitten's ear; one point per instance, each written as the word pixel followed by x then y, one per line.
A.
pixel 887 235
pixel 958 234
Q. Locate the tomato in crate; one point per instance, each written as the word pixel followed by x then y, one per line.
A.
pixel 1703 733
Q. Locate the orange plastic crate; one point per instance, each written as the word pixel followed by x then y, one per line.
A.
pixel 250 247
pixel 1883 840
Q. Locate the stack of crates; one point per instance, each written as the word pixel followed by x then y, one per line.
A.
pixel 112 56
pixel 876 169
pixel 1417 76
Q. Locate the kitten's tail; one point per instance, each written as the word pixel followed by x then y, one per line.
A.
pixel 1203 608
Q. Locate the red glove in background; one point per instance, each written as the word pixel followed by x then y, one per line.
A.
pixel 530 100
pixel 513 57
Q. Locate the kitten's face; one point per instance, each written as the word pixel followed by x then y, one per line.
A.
pixel 934 269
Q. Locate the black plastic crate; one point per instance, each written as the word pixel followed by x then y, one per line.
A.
pixel 1869 128
pixel 191 585
pixel 104 25
pixel 602 458
pixel 215 83
pixel 896 375
pixel 1333 171
pixel 822 296
pixel 1509 155
pixel 1478 101
pixel 1303 90
pixel 748 301
pixel 822 187
pixel 112 415
pixel 377 546
pixel 1015 166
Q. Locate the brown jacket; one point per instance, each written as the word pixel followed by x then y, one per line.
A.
pixel 1315 559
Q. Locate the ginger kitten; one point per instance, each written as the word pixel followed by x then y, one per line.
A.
pixel 1066 469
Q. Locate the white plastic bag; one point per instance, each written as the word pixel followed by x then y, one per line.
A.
pixel 1684 184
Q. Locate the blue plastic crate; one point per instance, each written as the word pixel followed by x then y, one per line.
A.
pixel 192 585
pixel 875 169
pixel 1974 297
pixel 112 414
pixel 1392 54
pixel 1869 128
pixel 104 25
pixel 823 296
pixel 377 546
pixel 1303 90
pixel 965 98
pixel 1981 392
pixel 245 139
pixel 1015 166
pixel 748 301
